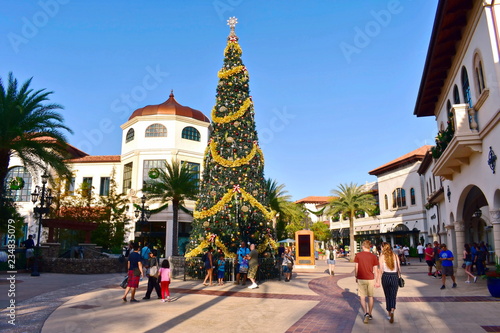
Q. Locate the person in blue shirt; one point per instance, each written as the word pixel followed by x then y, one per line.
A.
pixel 446 258
pixel 242 252
pixel 221 269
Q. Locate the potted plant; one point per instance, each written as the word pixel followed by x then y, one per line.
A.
pixel 493 281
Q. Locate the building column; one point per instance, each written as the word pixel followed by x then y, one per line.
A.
pixel 460 241
pixel 495 221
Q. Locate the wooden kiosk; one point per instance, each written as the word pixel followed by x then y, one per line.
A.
pixel 304 249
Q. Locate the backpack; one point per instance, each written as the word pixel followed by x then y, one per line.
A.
pixel 332 257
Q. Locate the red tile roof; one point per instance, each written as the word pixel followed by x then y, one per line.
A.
pixel 416 155
pixel 315 199
pixel 72 150
pixel 95 159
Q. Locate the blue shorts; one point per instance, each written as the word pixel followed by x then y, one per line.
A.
pixel 220 274
pixel 286 269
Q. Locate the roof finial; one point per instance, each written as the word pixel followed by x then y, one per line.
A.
pixel 232 23
pixel 171 93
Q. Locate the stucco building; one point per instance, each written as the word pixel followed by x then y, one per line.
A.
pixel 459 87
pixel 153 134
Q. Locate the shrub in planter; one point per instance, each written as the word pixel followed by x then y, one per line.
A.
pixel 493 281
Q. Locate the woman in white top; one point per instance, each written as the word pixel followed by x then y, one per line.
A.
pixel 389 266
pixel 331 256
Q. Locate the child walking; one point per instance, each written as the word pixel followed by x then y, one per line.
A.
pixel 164 277
pixel 221 263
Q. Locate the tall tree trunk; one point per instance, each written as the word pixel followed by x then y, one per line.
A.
pixel 352 246
pixel 175 228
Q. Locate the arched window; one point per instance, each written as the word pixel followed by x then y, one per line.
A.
pixel 412 196
pixel 466 87
pixel 386 201
pixel 130 135
pixel 191 133
pixel 156 130
pixel 478 74
pixel 456 95
pixel 398 198
pixel 18 184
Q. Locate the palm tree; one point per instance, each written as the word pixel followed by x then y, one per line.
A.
pixel 285 210
pixel 348 199
pixel 276 194
pixel 30 129
pixel 175 183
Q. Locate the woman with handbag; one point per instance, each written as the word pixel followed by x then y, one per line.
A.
pixel 391 272
pixel 152 271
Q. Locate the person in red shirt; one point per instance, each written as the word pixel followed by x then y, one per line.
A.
pixel 429 257
pixel 366 273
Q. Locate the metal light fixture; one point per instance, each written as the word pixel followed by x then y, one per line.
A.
pixel 478 213
pixel 143 214
pixel 42 195
pixel 492 160
pixel 448 193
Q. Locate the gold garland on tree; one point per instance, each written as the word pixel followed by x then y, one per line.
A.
pixel 267 242
pixel 225 200
pixel 206 243
pixel 232 117
pixel 232 44
pixel 225 74
pixel 238 162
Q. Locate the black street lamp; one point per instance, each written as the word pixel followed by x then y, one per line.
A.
pixel 44 197
pixel 143 214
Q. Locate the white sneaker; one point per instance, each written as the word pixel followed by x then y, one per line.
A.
pixel 253 286
pixel 467 281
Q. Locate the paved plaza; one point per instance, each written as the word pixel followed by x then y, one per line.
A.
pixel 311 302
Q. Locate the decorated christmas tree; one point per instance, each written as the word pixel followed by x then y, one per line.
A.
pixel 232 204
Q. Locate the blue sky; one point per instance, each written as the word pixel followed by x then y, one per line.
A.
pixel 334 83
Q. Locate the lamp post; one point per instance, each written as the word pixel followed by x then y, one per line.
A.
pixel 143 214
pixel 44 197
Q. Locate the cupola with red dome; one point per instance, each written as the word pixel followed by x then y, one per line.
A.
pixel 170 107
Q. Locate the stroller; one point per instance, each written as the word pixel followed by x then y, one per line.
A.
pixel 402 259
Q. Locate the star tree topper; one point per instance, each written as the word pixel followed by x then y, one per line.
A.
pixel 232 23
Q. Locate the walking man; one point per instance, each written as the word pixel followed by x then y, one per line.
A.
pixel 446 258
pixel 420 251
pixel 253 266
pixel 366 274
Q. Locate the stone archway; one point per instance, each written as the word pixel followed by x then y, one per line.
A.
pixel 474 220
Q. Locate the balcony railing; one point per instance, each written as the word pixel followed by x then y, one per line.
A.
pixel 464 142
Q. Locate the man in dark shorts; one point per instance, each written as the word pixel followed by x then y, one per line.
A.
pixel 135 272
pixel 429 257
pixel 446 258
